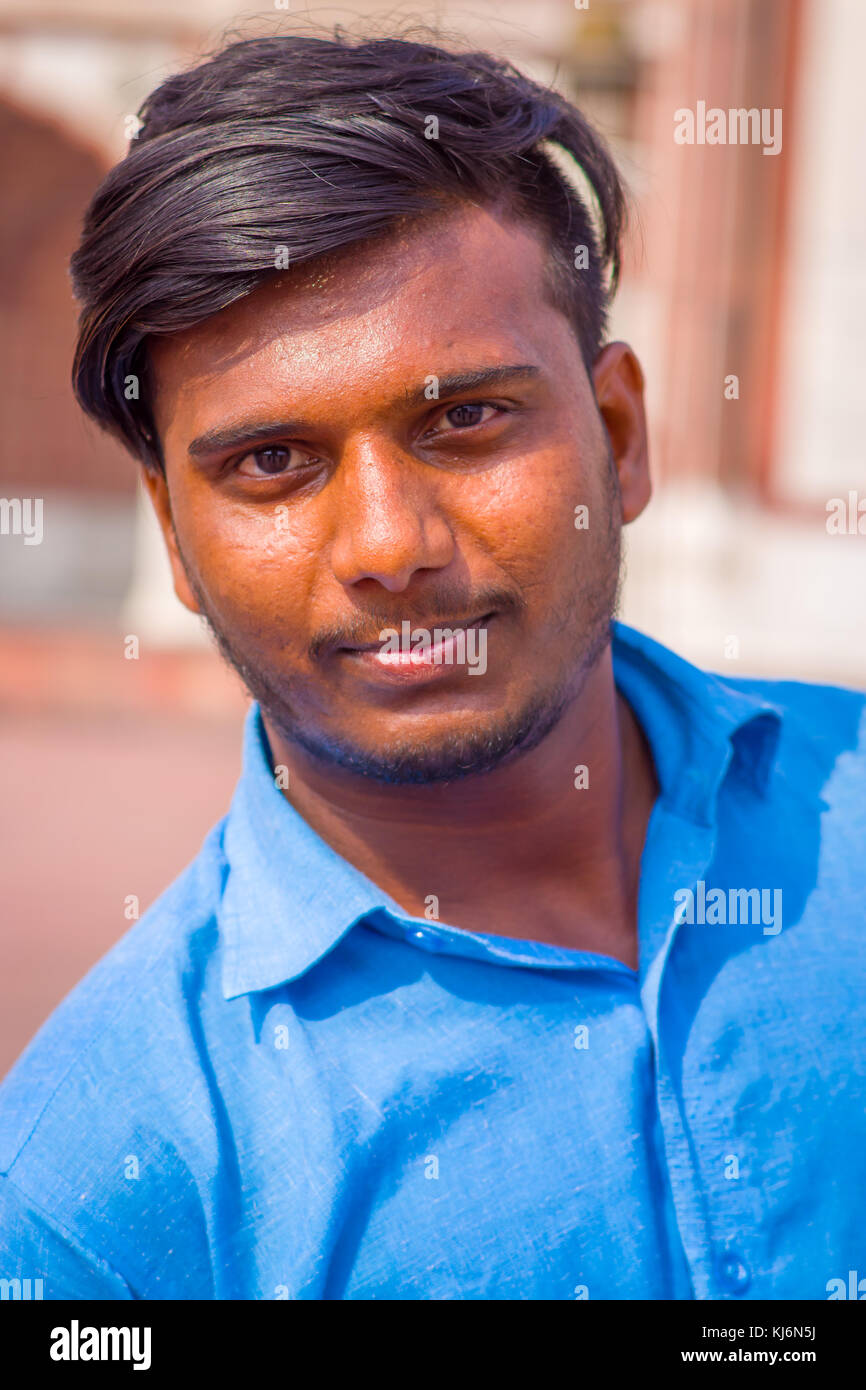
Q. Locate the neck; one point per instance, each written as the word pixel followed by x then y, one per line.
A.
pixel 519 851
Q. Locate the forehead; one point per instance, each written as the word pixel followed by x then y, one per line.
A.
pixel 455 289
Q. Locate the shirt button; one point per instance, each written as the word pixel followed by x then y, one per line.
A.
pixel 734 1273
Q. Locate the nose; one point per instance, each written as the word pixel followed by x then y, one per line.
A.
pixel 389 522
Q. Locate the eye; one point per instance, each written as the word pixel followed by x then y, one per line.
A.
pixel 271 461
pixel 466 415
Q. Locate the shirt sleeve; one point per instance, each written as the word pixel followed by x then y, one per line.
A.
pixel 34 1246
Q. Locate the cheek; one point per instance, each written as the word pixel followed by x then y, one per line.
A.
pixel 254 567
pixel 526 521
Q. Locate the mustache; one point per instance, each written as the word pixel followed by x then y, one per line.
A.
pixel 364 627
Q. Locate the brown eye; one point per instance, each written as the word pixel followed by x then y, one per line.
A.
pixel 464 416
pixel 266 462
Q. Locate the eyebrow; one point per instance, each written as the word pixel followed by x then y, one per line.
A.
pixel 233 436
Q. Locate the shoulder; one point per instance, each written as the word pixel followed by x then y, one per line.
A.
pixel 828 719
pixel 822 727
pixel 105 1121
pixel 818 787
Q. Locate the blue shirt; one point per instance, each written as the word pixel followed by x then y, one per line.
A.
pixel 279 1085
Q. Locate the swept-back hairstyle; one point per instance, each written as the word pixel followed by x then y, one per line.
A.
pixel 299 146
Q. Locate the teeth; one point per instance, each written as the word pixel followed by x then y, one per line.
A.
pixel 434 652
pixel 422 657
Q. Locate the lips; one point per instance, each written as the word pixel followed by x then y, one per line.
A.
pixel 435 662
pixel 441 623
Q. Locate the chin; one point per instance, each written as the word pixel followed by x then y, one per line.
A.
pixel 455 755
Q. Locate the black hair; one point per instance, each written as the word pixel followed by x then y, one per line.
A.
pixel 301 146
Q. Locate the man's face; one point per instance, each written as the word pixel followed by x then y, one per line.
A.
pixel 317 493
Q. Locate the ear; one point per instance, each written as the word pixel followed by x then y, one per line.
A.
pixel 157 488
pixel 619 386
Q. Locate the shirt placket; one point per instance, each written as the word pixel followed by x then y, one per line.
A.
pixel 684 850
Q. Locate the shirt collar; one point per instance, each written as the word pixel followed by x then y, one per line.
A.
pixel 698 724
pixel 288 898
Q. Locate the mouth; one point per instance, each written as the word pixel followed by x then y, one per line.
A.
pixel 435 658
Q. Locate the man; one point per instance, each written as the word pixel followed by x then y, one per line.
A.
pixel 528 960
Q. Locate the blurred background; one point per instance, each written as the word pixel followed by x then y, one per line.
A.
pixel 744 295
